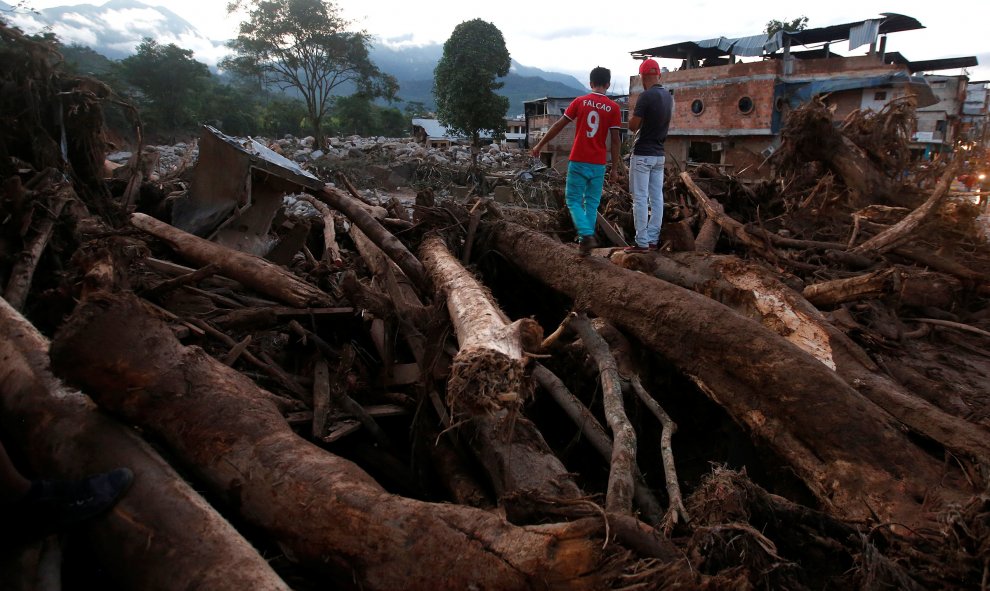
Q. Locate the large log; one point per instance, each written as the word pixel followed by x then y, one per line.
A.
pixel 324 511
pixel 252 271
pixel 848 452
pixel 753 291
pixel 488 385
pixel 162 535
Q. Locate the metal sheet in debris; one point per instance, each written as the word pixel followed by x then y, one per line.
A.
pixel 236 190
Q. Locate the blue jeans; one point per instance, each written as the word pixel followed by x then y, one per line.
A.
pixel 583 193
pixel 646 186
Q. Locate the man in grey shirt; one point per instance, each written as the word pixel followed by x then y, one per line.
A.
pixel 651 118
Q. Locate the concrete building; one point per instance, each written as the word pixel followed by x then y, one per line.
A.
pixel 515 132
pixel 939 125
pixel 541 114
pixel 730 113
pixel 975 128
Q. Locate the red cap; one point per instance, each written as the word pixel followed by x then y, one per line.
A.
pixel 649 66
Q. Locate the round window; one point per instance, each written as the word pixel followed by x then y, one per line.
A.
pixel 746 105
pixel 697 106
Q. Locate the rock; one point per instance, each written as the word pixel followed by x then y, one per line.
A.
pixel 316 155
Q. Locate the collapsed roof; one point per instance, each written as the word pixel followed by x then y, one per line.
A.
pixel 858 33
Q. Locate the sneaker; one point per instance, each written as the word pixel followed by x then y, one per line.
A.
pixel 587 243
pixel 53 505
pixel 636 249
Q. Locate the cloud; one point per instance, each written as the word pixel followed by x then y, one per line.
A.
pixel 399 39
pixel 71 34
pixel 130 20
pixel 78 19
pixel 565 33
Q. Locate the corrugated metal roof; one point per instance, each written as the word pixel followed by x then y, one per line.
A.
pixel 858 33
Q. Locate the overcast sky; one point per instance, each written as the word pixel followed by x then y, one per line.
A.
pixel 573 37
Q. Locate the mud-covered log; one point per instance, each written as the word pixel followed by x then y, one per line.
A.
pixel 488 385
pixel 753 291
pixel 162 535
pixel 848 452
pixel 324 511
pixel 254 272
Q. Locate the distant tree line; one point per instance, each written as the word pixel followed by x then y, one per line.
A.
pixel 292 61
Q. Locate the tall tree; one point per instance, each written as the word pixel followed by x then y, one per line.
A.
pixel 306 45
pixel 465 80
pixel 168 81
pixel 798 24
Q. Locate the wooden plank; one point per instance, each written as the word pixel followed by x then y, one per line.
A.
pixel 403 374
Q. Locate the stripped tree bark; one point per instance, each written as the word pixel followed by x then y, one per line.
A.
pixel 789 401
pixel 252 271
pixel 162 535
pixel 618 498
pixel 324 511
pixel 487 387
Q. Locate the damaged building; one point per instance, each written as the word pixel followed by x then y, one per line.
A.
pixel 730 113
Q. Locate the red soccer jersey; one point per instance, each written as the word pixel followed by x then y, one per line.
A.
pixel 595 114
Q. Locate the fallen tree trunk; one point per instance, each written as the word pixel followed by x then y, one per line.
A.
pixel 252 271
pixel 162 535
pixel 753 291
pixel 847 451
pixel 323 510
pixel 487 386
pixel 22 274
pixel 902 230
pixel 828 294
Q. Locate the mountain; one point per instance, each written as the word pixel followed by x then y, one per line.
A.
pixel 413 68
pixel 115 28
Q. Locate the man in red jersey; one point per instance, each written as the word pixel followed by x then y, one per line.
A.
pixel 598 118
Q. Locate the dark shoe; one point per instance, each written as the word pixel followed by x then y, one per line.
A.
pixel 587 243
pixel 654 246
pixel 636 249
pixel 53 505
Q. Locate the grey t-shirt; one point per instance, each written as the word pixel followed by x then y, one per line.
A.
pixel 655 107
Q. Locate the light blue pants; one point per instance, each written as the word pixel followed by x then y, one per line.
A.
pixel 646 186
pixel 583 193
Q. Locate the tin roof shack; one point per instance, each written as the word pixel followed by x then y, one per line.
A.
pixel 731 113
pixel 939 125
pixel 542 113
pixel 976 114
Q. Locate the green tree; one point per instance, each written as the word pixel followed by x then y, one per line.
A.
pixel 798 24
pixel 306 45
pixel 169 83
pixel 465 80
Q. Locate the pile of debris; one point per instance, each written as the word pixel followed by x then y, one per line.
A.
pixel 430 393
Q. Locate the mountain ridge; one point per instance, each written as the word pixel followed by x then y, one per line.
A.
pixel 99 28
